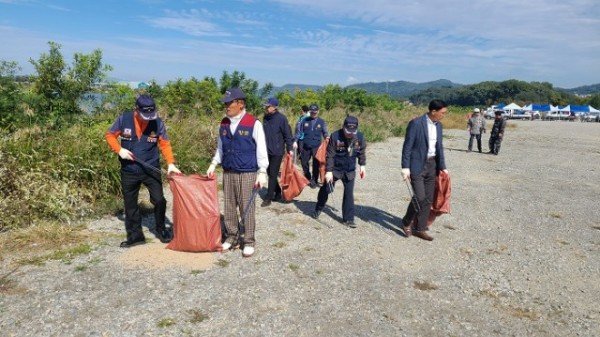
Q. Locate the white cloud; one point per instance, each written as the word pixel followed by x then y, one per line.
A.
pixel 351 79
pixel 193 22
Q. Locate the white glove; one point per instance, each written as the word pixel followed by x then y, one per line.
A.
pixel 445 171
pixel 329 177
pixel 406 174
pixel 172 169
pixel 261 179
pixel 295 145
pixel 363 172
pixel 125 154
pixel 211 170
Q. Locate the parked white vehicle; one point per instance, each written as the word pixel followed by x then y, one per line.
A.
pixel 557 115
pixel 519 114
pixel 592 117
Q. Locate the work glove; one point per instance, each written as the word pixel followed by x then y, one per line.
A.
pixel 363 172
pixel 406 174
pixel 172 169
pixel 126 154
pixel 211 170
pixel 329 177
pixel 445 171
pixel 291 153
pixel 295 145
pixel 261 179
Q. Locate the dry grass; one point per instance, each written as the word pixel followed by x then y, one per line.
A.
pixel 197 316
pixel 44 241
pixel 499 250
pixel 425 285
pixel 556 215
pixel 523 313
pixel 279 244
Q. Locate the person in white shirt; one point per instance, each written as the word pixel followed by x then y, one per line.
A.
pixel 242 152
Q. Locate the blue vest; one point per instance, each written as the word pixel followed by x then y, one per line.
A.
pixel 144 148
pixel 239 149
pixel 344 160
pixel 312 135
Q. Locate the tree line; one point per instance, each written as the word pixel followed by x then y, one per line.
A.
pixel 489 92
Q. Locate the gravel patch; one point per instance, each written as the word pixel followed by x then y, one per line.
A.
pixel 518 256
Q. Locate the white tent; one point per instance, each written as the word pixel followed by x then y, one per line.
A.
pixel 592 109
pixel 512 106
pixel 566 108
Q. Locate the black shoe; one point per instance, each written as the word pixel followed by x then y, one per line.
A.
pixel 313 184
pixel 164 235
pixel 278 198
pixel 266 203
pixel 350 224
pixel 128 244
pixel 316 213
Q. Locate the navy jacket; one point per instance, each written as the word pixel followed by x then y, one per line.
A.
pixel 277 133
pixel 416 144
pixel 343 152
pixel 239 149
pixel 144 148
pixel 314 130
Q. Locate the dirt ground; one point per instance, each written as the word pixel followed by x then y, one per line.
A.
pixel 518 256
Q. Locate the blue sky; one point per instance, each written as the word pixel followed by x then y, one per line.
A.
pixel 317 42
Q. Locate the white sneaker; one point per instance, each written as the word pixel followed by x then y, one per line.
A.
pixel 248 251
pixel 226 246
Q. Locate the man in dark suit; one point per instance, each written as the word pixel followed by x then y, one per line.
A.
pixel 422 159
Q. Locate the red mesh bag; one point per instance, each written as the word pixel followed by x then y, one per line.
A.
pixel 321 157
pixel 292 181
pixel 196 215
pixel 441 199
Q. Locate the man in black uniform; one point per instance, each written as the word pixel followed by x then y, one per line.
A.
pixel 345 146
pixel 315 129
pixel 278 135
pixel 497 133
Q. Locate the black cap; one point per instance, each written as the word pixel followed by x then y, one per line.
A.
pixel 498 112
pixel 146 107
pixel 351 124
pixel 314 107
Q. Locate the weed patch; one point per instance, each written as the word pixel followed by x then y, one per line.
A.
pixel 165 322
pixel 289 234
pixel 425 285
pixel 556 215
pixel 279 244
pixel 65 255
pixel 293 267
pixel 222 263
pixel 197 316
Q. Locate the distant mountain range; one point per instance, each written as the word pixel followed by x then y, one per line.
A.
pixel 583 90
pixel 404 89
pixel 397 89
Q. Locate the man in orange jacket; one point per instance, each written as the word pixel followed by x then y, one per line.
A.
pixel 142 133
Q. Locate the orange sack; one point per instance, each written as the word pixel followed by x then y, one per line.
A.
pixel 292 181
pixel 196 215
pixel 321 157
pixel 441 199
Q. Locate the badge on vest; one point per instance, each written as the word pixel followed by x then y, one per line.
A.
pixel 318 126
pixel 152 138
pixel 306 125
pixel 126 134
pixel 243 132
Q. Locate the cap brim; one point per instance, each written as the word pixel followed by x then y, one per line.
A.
pixel 148 116
pixel 227 100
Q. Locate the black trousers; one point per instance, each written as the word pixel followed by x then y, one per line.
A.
pixel 423 186
pixel 274 189
pixel 478 137
pixel 494 144
pixel 347 203
pixel 130 184
pixel 305 155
